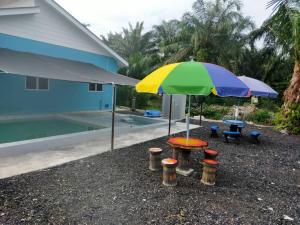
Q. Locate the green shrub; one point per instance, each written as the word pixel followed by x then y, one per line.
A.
pixel 143 100
pixel 268 104
pixel 211 111
pixel 289 120
pixel 154 102
pixel 228 101
pixel 124 96
pixel 260 116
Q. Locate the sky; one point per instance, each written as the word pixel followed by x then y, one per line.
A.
pixel 111 15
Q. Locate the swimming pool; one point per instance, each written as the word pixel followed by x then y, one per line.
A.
pixel 104 119
pixel 19 130
pixel 66 124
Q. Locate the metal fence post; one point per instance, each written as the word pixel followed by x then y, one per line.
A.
pixel 170 114
pixel 113 115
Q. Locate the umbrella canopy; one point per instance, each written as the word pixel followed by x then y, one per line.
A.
pixel 193 78
pixel 258 88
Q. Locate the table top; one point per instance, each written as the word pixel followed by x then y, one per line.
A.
pixel 234 122
pixel 184 143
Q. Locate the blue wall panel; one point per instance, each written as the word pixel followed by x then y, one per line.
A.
pixel 63 96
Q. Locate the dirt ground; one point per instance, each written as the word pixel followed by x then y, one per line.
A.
pixel 256 184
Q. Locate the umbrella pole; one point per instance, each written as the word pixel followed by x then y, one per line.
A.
pixel 201 107
pixel 170 114
pixel 188 120
pixel 113 115
pixel 236 113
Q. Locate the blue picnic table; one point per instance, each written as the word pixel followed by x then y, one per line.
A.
pixel 235 125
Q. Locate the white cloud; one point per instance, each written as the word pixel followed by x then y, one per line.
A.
pixel 112 15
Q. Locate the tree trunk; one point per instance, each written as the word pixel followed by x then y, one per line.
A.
pixel 292 93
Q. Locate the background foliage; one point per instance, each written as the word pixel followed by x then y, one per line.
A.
pixel 216 32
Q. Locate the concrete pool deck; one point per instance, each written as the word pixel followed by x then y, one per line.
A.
pixel 15 163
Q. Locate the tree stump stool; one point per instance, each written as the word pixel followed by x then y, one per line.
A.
pixel 169 172
pixel 155 159
pixel 209 171
pixel 210 154
pixel 175 153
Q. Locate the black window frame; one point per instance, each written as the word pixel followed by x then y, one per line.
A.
pixel 37 84
pixel 96 87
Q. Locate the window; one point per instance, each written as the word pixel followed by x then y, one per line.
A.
pixel 92 87
pixel 95 87
pixel 43 84
pixel 31 83
pixel 34 83
pixel 99 87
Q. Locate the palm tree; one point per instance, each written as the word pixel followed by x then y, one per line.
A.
pixel 283 28
pixel 135 47
pixel 138 49
pixel 127 42
pixel 213 32
pixel 164 39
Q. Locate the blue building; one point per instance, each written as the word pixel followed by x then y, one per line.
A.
pixel 43 28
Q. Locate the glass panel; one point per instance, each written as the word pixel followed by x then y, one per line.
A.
pixel 99 87
pixel 31 83
pixel 92 87
pixel 43 84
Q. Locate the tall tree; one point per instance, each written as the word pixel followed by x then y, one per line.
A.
pixel 283 28
pixel 138 49
pixel 134 46
pixel 164 39
pixel 213 32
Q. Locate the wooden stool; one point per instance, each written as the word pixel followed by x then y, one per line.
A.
pixel 154 162
pixel 169 172
pixel 209 171
pixel 175 153
pixel 210 154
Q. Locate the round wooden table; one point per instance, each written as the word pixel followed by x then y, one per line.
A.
pixel 182 148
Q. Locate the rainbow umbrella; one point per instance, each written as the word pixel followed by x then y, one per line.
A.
pixel 193 78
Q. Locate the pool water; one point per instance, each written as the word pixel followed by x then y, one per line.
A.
pixel 11 131
pixel 139 121
pixel 104 119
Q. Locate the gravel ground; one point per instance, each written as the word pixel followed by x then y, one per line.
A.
pixel 256 184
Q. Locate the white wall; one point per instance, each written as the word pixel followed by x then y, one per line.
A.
pixel 178 106
pixel 16 3
pixel 51 27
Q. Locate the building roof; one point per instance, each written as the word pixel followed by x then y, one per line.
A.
pixel 28 64
pixel 23 8
pixel 83 28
